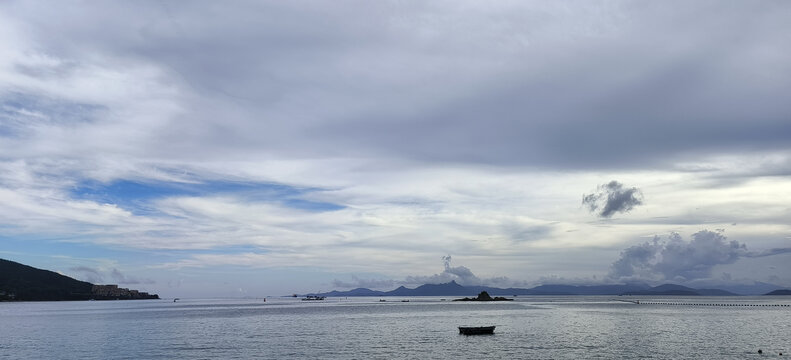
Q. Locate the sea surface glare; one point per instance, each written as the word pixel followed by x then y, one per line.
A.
pixel 532 327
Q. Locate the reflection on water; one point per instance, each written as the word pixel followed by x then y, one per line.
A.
pixel 362 328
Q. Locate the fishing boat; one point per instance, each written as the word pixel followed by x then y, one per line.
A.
pixel 476 330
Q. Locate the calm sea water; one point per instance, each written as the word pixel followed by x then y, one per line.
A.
pixel 364 328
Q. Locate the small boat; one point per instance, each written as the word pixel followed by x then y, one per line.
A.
pixel 476 330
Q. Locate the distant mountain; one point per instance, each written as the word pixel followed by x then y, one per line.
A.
pixel 401 290
pixel 715 292
pixel 448 289
pixel 679 290
pixel 355 292
pixel 451 288
pixel 454 289
pixel 20 282
pixel 666 289
pixel 779 292
pixel 756 288
pixel 585 289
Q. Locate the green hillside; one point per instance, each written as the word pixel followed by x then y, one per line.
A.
pixel 25 283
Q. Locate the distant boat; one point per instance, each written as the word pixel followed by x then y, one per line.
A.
pixel 312 298
pixel 405 300
pixel 476 330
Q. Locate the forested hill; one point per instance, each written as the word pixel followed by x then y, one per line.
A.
pixel 20 282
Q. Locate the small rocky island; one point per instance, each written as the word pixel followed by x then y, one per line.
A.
pixel 484 296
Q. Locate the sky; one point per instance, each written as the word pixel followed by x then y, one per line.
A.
pixel 254 148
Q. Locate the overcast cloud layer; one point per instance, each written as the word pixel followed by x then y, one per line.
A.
pixel 270 147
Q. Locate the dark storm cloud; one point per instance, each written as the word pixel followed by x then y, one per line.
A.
pixel 674 259
pixel 612 198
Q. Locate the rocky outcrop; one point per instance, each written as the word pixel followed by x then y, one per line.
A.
pixel 484 296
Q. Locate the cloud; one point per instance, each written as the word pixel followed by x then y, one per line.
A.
pixel 769 252
pixel 505 78
pixel 432 127
pixel 120 278
pixel 88 274
pixel 357 282
pixel 95 276
pixel 674 259
pixel 612 198
pixel 461 275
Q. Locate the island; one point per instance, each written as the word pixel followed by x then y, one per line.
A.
pixel 19 282
pixel 484 296
pixel 779 292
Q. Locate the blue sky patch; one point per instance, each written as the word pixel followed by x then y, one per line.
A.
pixel 136 196
pixel 74 246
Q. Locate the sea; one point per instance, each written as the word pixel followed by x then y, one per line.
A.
pixel 531 327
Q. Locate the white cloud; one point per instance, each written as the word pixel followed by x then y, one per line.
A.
pixel 442 127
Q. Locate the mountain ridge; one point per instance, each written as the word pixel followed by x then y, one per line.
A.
pixel 452 288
